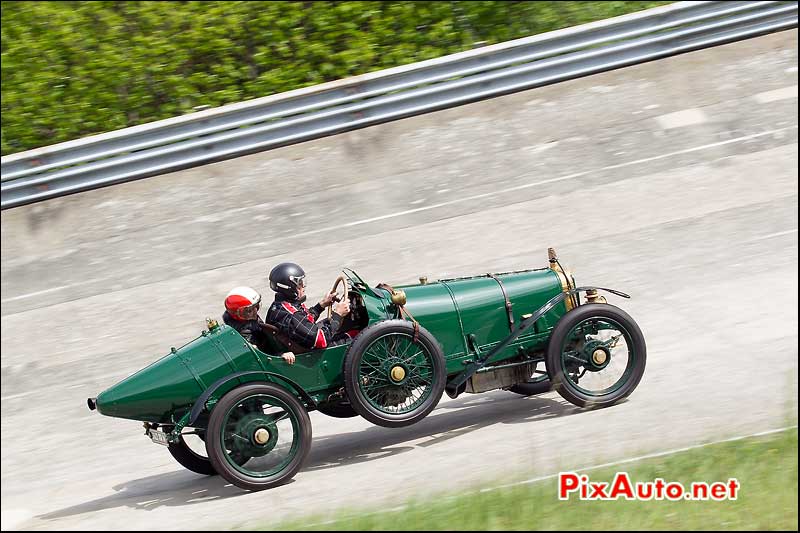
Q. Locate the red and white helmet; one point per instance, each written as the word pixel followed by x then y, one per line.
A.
pixel 242 303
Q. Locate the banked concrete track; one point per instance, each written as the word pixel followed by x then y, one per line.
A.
pixel 675 181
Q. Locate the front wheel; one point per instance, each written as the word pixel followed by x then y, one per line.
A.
pixel 596 355
pixel 265 424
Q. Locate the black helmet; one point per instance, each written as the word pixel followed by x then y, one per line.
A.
pixel 285 278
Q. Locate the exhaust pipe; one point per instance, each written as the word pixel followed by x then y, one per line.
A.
pixel 92 403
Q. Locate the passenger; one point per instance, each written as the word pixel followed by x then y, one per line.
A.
pixel 241 313
pixel 291 316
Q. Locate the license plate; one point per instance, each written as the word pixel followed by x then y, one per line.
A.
pixel 159 437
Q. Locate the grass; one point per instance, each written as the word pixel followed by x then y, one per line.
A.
pixel 766 468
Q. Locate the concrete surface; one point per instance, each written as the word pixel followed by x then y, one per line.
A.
pixel 674 181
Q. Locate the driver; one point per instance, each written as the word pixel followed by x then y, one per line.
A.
pixel 289 314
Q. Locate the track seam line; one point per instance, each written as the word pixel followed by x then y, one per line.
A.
pixel 464 199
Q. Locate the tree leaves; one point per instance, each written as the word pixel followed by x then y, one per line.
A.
pixel 72 69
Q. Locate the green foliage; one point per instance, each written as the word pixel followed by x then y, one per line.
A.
pixel 71 69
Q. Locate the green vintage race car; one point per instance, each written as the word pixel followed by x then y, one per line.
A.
pixel 526 331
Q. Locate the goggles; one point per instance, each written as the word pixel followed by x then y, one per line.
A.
pixel 299 281
pixel 251 311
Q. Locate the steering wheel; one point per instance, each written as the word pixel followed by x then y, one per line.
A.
pixel 339 281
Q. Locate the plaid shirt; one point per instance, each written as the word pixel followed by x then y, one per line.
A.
pixel 299 323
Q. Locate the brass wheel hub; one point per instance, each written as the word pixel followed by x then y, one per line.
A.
pixel 261 436
pixel 398 373
pixel 599 357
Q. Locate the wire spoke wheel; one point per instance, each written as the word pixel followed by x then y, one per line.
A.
pixel 394 376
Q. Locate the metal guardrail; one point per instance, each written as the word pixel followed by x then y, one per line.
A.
pixel 264 123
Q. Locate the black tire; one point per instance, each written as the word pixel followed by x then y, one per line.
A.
pixel 429 358
pixel 532 388
pixel 190 459
pixel 222 460
pixel 632 374
pixel 337 410
pixel 537 384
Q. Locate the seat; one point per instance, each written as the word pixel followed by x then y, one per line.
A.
pixel 282 342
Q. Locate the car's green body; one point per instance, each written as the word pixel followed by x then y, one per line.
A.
pixel 452 310
pixel 414 342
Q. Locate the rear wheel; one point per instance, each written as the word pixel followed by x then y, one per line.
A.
pixel 337 410
pixel 393 375
pixel 268 427
pixel 189 456
pixel 596 355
